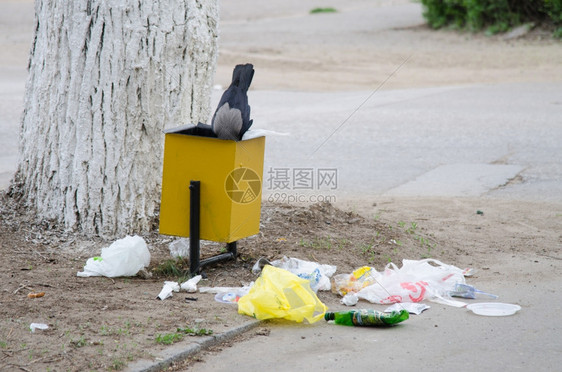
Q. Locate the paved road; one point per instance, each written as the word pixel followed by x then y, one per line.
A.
pixel 484 140
pixel 447 141
pixel 440 339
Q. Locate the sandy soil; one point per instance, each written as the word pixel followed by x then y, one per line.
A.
pixel 104 324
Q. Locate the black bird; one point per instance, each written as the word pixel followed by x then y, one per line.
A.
pixel 232 118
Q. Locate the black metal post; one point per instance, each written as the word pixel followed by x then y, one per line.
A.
pixel 231 247
pixel 195 262
pixel 194 225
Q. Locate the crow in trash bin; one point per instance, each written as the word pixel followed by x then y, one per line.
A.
pixel 232 118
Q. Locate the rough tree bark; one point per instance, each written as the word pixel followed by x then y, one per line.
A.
pixel 105 77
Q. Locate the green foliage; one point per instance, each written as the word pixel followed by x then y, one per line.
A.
pixel 492 15
pixel 168 338
pixel 178 268
pixel 195 331
pixel 323 10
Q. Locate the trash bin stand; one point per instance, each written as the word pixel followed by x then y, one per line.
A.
pixel 195 262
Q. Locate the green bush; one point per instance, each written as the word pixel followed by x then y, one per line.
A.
pixel 492 15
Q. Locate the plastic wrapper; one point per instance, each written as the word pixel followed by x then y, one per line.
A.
pixel 41 326
pixel 280 294
pixel 350 299
pixel 415 281
pixel 410 307
pixel 468 291
pixel 179 248
pixel 354 282
pixel 125 257
pixel 318 274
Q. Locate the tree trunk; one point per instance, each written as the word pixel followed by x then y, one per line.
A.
pixel 105 78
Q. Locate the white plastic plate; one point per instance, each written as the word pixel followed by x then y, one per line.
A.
pixel 493 308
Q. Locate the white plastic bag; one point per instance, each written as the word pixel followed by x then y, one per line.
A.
pixel 125 257
pixel 410 307
pixel 318 274
pixel 179 248
pixel 227 294
pixel 350 299
pixel 415 281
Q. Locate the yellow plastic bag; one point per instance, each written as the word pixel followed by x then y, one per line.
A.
pixel 278 293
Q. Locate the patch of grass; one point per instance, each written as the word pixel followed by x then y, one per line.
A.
pixel 117 365
pixel 323 10
pixel 412 228
pixel 172 268
pixel 79 343
pixel 342 243
pixel 3 344
pixel 105 330
pixel 195 331
pixel 168 338
pixel 317 243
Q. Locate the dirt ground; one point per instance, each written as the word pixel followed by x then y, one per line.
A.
pixel 104 324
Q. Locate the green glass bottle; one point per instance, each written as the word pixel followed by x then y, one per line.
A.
pixel 367 317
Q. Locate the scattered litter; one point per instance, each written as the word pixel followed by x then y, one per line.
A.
pixel 367 317
pixel 227 297
pixel 280 294
pixel 479 212
pixel 125 257
pixel 493 308
pixel 191 285
pixel 216 290
pixel 41 326
pixel 350 299
pixel 258 266
pixel 179 248
pixel 319 275
pixel 190 299
pixel 410 307
pixel 415 281
pixel 167 290
pixel 35 295
pixel 354 282
pixel 468 291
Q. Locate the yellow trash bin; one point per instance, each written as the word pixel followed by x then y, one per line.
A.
pixel 230 175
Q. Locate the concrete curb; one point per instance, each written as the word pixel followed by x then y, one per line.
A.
pixel 181 352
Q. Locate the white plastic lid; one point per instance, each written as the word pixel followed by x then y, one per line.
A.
pixel 493 308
